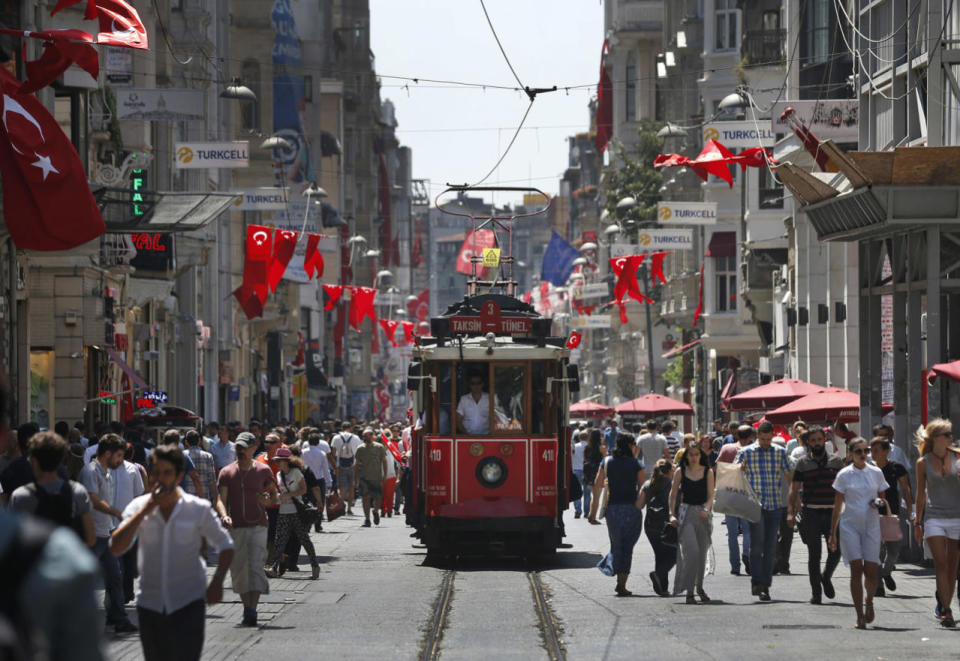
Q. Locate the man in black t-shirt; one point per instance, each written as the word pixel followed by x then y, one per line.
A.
pixel 897 478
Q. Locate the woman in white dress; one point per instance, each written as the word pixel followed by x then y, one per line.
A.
pixel 855 515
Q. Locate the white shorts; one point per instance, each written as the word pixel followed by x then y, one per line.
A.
pixel 857 544
pixel 249 554
pixel 949 528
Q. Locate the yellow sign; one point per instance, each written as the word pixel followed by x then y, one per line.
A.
pixel 534 199
pixel 184 154
pixel 710 133
pixel 491 257
pixel 664 212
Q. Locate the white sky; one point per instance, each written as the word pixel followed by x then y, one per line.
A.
pixel 457 134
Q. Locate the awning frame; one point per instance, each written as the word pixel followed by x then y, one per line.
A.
pixel 115 204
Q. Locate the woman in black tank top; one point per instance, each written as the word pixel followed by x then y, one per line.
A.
pixel 694 484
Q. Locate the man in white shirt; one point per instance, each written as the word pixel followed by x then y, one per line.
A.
pixel 344 447
pixel 171 525
pixel 127 485
pixel 315 459
pixel 473 410
pixel 652 445
pixel 576 465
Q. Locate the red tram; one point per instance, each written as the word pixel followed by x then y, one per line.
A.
pixel 491 450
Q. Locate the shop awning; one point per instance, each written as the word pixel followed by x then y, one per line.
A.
pixel 678 351
pixel 722 244
pixel 129 371
pixel 160 211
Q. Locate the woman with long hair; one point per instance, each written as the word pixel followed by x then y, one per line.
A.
pixel 593 456
pixel 655 496
pixel 624 474
pixel 693 480
pixel 292 486
pixel 856 526
pixel 938 508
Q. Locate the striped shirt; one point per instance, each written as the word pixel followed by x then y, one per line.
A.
pixel 765 472
pixel 816 478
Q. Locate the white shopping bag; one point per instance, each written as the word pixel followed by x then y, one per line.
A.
pixel 733 494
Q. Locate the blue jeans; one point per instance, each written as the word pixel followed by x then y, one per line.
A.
pixel 624 524
pixel 112 582
pixel 763 547
pixel 735 526
pixel 577 507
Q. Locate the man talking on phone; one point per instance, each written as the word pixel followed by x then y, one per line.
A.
pixel 173 591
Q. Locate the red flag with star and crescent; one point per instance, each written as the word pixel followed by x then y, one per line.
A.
pixel 284 245
pixel 361 306
pixel 120 25
pixel 625 268
pixel 334 292
pixel 47 203
pixel 313 260
pixel 252 293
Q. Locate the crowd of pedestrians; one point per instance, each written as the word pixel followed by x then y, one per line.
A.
pixel 158 505
pixel 837 489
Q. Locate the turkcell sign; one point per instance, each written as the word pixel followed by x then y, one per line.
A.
pixel 687 213
pixel 655 240
pixel 740 135
pixel 267 198
pixel 197 155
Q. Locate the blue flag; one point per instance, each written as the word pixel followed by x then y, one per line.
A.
pixel 558 261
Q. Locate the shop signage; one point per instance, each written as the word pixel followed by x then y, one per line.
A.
pixel 197 155
pixel 160 104
pixel 591 321
pixel 655 240
pixel 268 198
pixel 741 134
pixel 593 290
pixel 835 119
pixel 687 213
pixel 138 179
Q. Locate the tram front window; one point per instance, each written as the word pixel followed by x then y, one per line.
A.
pixel 508 398
pixel 473 409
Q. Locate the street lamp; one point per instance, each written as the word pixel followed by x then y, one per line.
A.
pixel 237 90
pixel 736 101
pixel 671 130
pixel 276 142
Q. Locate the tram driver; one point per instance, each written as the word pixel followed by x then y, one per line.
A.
pixel 473 409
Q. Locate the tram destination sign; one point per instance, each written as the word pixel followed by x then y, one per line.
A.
pixel 501 325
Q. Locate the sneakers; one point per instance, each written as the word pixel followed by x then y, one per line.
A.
pixel 125 627
pixel 366 523
pixel 828 590
pixel 376 517
pixel 249 617
pixel 735 572
pixel 764 595
pixel 746 563
pixel 890 583
pixel 314 571
pixel 577 515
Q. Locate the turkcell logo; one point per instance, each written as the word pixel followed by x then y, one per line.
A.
pixel 740 135
pixel 193 155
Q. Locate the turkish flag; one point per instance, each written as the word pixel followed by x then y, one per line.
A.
pixel 361 305
pixel 574 340
pixel 391 445
pixel 313 260
pixel 390 330
pixel 120 25
pixel 284 244
pixel 623 311
pixel 334 292
pixel 420 308
pixel 409 336
pixel 89 14
pixel 714 159
pixel 47 203
pixel 656 268
pixel 62 48
pixel 625 268
pixel 252 293
pixel 699 310
pixel 473 246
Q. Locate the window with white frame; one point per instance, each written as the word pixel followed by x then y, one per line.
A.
pixel 726 24
pixel 725 274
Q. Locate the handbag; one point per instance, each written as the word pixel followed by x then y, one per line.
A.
pixel 733 494
pixel 890 530
pixel 335 506
pixel 306 512
pixel 669 535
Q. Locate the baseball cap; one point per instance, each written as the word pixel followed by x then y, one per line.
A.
pixel 368 429
pixel 245 440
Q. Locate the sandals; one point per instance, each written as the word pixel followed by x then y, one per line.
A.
pixel 860 623
pixel 703 596
pixel 946 618
pixel 691 599
pixel 868 613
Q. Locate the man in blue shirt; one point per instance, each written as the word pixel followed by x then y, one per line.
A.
pixel 731 436
pixel 610 435
pixel 768 470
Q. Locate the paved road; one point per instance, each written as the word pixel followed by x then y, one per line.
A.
pixel 375 598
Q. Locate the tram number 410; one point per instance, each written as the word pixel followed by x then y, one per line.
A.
pixel 549 455
pixel 436 455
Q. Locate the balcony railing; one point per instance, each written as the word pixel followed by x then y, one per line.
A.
pixel 763 47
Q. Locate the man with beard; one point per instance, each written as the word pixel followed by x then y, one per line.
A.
pixel 812 497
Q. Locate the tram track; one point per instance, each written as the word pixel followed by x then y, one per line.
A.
pixel 546 620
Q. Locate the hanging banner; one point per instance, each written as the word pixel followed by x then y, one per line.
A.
pixel 198 155
pixel 741 134
pixel 655 240
pixel 687 213
pixel 288 95
pixel 834 119
pixel 267 198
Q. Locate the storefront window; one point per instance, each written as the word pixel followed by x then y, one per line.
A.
pixel 41 388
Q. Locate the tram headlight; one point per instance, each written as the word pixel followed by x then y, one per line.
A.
pixel 491 472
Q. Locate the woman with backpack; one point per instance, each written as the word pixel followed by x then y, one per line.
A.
pixel 655 496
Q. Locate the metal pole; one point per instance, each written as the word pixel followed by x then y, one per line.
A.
pixel 646 292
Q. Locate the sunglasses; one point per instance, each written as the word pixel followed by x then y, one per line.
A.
pixel 860 451
pixel 947 434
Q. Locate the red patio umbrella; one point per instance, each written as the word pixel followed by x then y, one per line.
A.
pixel 590 410
pixel 827 405
pixel 771 395
pixel 653 405
pixel 949 371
